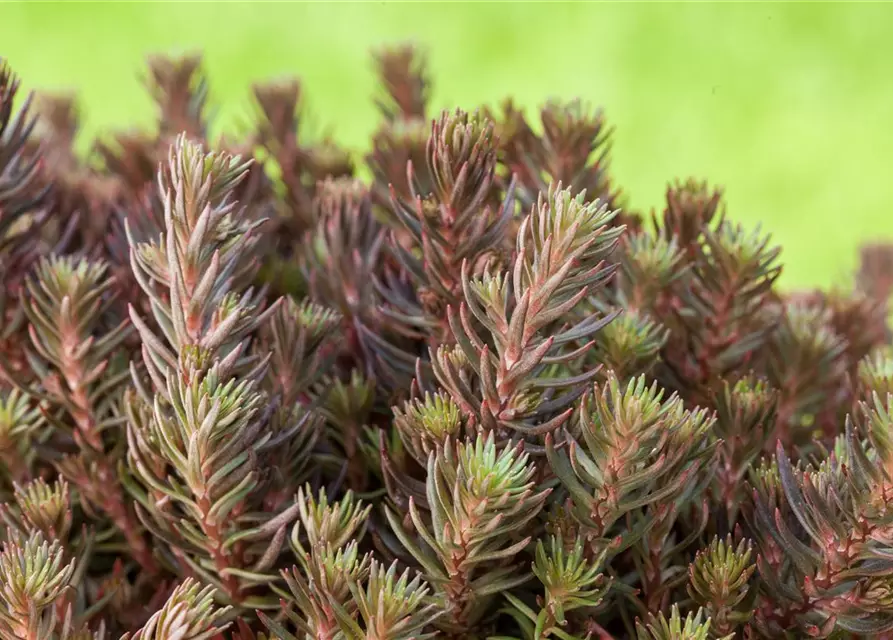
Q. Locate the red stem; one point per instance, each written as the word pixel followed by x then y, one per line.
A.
pixel 113 503
pixel 215 547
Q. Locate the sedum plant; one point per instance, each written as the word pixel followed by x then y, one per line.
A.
pixel 261 388
pixel 479 498
pixel 676 628
pixel 220 504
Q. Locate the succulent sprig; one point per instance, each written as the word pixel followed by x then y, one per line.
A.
pixel 81 371
pixel 200 438
pixel 20 423
pixel 515 329
pixel 189 613
pixel 629 447
pixel 25 198
pixel 573 148
pixel 831 518
pixel 571 581
pixel 34 574
pixel 723 318
pixel 454 228
pixel 692 627
pixel 478 495
pixel 405 82
pixel 720 581
pixel 325 540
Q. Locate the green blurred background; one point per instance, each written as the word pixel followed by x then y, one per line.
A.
pixel 788 106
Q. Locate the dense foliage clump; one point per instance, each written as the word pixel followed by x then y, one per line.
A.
pixel 245 394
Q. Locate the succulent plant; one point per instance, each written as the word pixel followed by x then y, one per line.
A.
pixel 247 394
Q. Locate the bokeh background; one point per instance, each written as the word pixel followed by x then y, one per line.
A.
pixel 788 106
